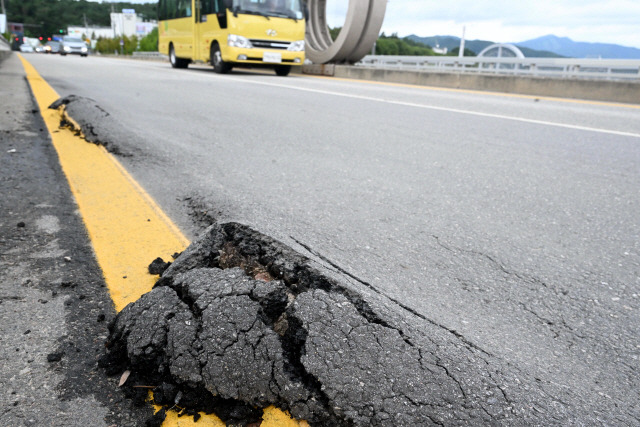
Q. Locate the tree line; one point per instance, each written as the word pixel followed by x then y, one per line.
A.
pixel 43 18
pixel 394 45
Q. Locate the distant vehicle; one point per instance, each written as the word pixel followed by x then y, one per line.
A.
pixel 230 33
pixel 52 47
pixel 73 46
pixel 26 48
pixel 39 49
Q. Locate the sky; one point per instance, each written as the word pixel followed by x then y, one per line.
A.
pixel 504 21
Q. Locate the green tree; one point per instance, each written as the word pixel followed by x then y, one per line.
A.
pixel 456 50
pixel 394 45
pixel 334 32
pixel 112 46
pixel 149 43
pixel 46 17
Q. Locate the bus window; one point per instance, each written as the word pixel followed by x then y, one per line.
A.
pixel 209 7
pixel 184 9
pixel 215 7
pixel 173 9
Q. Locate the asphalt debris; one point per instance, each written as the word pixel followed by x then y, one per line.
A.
pixel 93 123
pixel 240 321
pixel 54 357
pixel 158 266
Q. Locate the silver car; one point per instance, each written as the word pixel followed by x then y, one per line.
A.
pixel 26 48
pixel 73 46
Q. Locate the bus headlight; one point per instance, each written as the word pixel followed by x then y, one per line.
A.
pixel 297 46
pixel 238 41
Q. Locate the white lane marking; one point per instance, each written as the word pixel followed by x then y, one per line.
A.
pixel 432 107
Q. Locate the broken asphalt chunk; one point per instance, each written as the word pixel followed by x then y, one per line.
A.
pixel 225 342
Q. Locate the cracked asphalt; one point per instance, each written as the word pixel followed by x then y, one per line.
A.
pixel 409 268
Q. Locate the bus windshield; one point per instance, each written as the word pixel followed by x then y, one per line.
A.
pixel 279 8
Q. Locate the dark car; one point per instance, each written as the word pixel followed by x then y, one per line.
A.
pixel 73 46
pixel 52 47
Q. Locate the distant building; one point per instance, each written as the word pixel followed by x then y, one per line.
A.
pixel 15 27
pixel 126 24
pixel 93 33
pixel 129 24
pixel 440 50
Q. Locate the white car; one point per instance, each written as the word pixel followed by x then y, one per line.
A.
pixel 26 48
pixel 73 45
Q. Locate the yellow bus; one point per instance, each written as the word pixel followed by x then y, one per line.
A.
pixel 228 33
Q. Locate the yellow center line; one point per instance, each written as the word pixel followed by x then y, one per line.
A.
pixel 126 226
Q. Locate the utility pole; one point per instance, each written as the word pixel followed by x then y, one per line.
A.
pixel 461 53
pixel 4 11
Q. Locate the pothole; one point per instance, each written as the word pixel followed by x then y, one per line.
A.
pixel 240 321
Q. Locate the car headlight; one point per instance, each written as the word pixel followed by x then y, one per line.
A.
pixel 84 49
pixel 238 41
pixel 297 46
pixel 67 48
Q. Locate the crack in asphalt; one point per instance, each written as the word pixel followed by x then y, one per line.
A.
pixel 492 260
pixel 90 122
pixel 395 301
pixel 554 326
pixel 248 322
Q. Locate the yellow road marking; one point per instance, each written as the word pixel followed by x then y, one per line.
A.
pixel 272 417
pixel 127 228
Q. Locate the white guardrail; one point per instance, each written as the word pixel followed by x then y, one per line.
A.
pixel 602 69
pixel 150 55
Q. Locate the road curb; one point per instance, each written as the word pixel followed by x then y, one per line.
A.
pixel 595 90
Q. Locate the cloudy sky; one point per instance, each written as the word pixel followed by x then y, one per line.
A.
pixel 605 21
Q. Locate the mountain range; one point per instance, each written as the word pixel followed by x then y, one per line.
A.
pixel 541 47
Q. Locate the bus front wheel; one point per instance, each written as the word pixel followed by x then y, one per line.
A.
pixel 283 70
pixel 219 66
pixel 175 61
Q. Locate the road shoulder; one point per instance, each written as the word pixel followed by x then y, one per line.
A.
pixel 53 302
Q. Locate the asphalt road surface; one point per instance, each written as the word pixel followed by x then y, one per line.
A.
pixel 512 221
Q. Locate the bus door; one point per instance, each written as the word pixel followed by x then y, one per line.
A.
pixel 210 18
pixel 197 29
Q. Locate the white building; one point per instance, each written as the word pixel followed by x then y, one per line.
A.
pixel 129 24
pixel 440 50
pixel 93 33
pixel 122 24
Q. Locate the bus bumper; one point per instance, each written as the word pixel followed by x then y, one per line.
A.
pixel 262 56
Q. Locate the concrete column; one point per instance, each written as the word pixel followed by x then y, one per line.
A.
pixel 358 35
